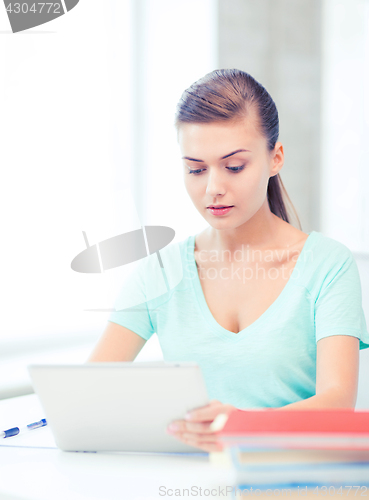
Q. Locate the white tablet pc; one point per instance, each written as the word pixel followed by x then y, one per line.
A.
pixel 118 406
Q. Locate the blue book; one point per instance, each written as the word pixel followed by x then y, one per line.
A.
pixel 272 468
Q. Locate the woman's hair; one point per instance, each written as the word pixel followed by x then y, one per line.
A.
pixel 230 95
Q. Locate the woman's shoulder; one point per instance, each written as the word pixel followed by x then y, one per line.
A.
pixel 328 249
pixel 322 247
pixel 324 259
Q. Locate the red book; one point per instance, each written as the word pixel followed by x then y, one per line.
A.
pixel 333 428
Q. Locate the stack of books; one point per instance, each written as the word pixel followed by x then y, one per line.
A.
pixel 311 449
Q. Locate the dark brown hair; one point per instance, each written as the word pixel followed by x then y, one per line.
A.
pixel 230 95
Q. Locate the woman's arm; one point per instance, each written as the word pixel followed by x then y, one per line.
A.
pixel 117 344
pixel 337 373
pixel 337 370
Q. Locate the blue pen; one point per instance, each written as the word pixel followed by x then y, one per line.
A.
pixel 16 430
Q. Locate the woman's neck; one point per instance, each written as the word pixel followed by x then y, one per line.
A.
pixel 255 234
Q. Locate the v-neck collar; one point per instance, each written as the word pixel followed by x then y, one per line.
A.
pixel 223 332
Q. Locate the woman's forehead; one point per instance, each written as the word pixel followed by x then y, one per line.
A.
pixel 218 138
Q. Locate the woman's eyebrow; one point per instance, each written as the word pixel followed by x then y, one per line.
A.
pixel 222 158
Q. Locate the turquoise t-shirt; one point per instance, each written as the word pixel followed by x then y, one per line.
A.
pixel 272 362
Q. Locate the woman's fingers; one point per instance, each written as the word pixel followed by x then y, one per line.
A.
pixel 204 442
pixel 196 429
pixel 203 438
pixel 183 426
pixel 208 412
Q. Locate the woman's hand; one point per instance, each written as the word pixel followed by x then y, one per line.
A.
pixel 195 429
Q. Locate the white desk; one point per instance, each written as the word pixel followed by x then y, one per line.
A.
pixel 32 467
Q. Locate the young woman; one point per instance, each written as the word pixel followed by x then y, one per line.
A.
pixel 272 314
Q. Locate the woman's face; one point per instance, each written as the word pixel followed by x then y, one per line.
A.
pixel 227 164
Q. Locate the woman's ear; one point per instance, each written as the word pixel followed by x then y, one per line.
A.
pixel 277 159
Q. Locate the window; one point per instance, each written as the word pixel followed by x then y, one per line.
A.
pixel 345 107
pixel 87 105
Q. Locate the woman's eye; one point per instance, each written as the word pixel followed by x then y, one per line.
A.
pixel 232 169
pixel 236 169
pixel 196 171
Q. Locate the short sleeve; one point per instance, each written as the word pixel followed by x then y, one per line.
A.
pixel 131 308
pixel 338 307
pixel 136 319
pixel 149 286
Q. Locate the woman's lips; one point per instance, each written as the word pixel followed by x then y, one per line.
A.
pixel 220 211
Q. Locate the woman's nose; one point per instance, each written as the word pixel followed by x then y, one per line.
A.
pixel 216 185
